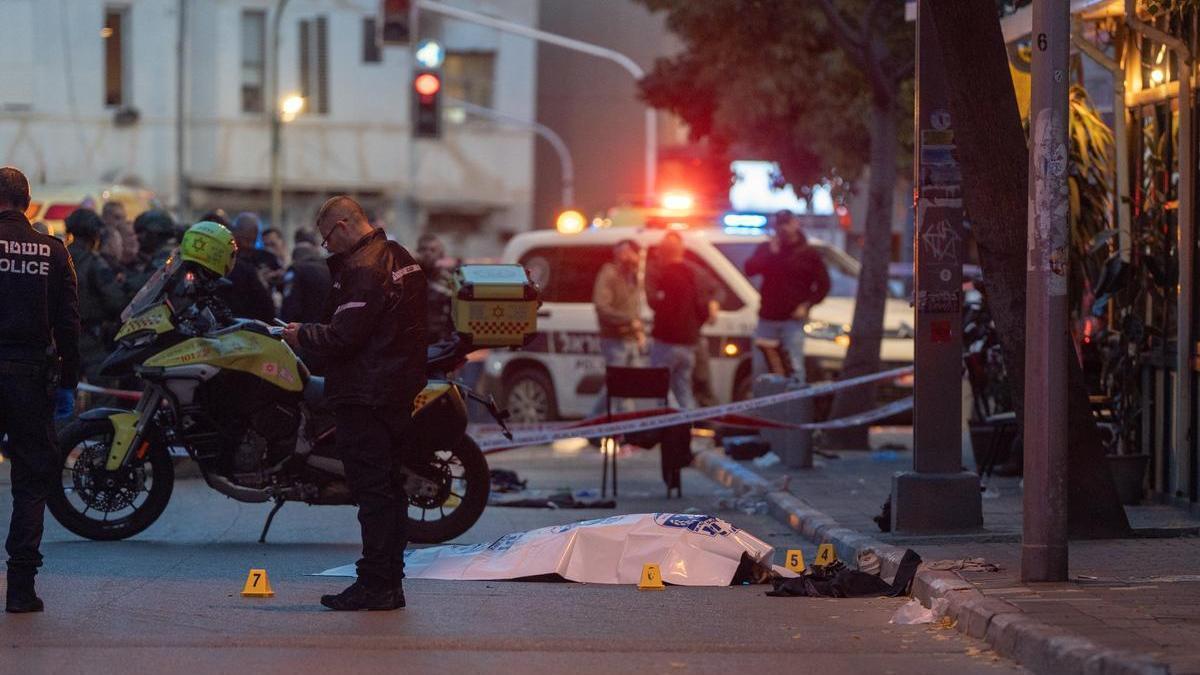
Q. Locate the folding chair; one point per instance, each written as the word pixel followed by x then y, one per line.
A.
pixel 635 383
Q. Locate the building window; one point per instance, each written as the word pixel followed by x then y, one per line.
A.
pixel 371 51
pixel 314 65
pixel 17 51
pixel 470 76
pixel 254 60
pixel 116 56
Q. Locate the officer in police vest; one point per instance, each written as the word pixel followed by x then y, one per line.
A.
pixel 39 368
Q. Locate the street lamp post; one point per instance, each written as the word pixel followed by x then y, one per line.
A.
pixel 276 119
pixel 651 120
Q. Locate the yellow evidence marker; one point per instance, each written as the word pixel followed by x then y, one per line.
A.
pixel 825 555
pixel 257 585
pixel 651 578
pixel 794 560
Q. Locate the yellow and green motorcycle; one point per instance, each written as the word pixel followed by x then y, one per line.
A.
pixel 234 397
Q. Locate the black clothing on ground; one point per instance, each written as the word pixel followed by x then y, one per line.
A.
pixel 679 303
pixel 39 305
pixel 374 344
pixel 39 318
pixel 793 276
pixel 306 288
pixel 370 442
pixel 838 581
pixel 250 295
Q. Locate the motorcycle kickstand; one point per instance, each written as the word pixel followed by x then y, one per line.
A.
pixel 262 538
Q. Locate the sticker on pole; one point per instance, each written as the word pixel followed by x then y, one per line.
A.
pixel 688 550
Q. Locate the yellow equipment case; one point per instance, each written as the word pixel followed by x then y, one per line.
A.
pixel 495 305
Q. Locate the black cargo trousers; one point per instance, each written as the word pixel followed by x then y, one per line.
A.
pixel 370 441
pixel 27 418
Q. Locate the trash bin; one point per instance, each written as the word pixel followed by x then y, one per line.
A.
pixel 793 446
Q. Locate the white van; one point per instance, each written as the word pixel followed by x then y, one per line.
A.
pixel 560 374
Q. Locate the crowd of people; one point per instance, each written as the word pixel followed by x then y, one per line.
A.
pixel 114 256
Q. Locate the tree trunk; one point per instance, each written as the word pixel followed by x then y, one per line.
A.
pixel 993 154
pixel 862 357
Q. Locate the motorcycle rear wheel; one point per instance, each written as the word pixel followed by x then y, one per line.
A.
pixel 100 506
pixel 466 482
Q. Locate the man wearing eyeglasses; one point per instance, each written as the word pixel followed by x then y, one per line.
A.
pixel 374 348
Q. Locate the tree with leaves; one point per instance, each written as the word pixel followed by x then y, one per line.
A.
pixel 824 89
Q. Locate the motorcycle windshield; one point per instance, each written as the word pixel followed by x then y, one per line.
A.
pixel 154 289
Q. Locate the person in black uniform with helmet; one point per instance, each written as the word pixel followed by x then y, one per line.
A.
pixel 39 368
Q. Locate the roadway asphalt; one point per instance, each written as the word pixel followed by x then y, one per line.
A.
pixel 169 600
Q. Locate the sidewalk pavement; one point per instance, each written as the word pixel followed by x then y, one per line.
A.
pixel 1131 606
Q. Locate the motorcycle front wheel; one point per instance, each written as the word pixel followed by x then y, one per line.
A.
pixel 447 494
pixel 103 505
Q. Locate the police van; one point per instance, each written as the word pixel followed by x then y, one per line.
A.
pixel 559 375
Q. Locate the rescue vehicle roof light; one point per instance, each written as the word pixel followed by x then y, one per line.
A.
pixel 677 200
pixel 570 222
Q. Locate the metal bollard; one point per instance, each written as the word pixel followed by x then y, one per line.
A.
pixel 793 446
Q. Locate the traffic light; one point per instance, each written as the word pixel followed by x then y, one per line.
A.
pixel 427 104
pixel 395 20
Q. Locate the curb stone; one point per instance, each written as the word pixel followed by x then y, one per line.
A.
pixel 1041 647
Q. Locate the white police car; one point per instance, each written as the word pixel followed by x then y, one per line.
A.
pixel 561 372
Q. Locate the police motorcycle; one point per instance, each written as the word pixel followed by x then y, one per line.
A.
pixel 236 398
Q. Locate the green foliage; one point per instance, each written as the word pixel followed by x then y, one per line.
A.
pixel 770 79
pixel 1090 182
pixel 1157 8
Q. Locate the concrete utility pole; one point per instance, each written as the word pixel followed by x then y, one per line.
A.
pixel 276 122
pixel 651 152
pixel 937 496
pixel 1044 539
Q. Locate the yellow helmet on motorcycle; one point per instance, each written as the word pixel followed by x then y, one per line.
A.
pixel 209 245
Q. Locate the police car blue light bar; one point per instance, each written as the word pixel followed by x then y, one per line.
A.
pixel 748 224
pixel 744 220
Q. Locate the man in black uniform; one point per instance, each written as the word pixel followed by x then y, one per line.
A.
pixel 374 348
pixel 250 295
pixel 39 368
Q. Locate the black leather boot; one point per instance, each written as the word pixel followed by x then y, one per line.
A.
pixel 21 597
pixel 360 596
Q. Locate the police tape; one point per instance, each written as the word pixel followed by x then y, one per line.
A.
pixel 496 442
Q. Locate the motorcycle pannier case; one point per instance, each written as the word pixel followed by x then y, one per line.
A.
pixel 495 305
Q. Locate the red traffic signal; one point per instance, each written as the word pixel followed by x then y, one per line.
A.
pixel 427 104
pixel 427 84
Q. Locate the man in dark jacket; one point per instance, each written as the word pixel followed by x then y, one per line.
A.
pixel 39 368
pixel 250 295
pixel 680 307
pixel 374 348
pixel 101 297
pixel 156 235
pixel 794 279
pixel 430 251
pixel 307 282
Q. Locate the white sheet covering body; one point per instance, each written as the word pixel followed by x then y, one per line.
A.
pixel 691 550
